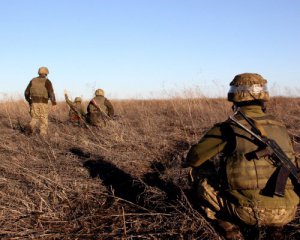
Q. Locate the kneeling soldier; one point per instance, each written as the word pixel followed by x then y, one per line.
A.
pixel 240 190
pixel 76 113
pixel 99 110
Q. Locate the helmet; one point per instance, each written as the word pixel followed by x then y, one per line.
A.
pixel 78 99
pixel 43 71
pixel 99 92
pixel 248 87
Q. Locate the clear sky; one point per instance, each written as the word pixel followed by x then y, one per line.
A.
pixel 146 48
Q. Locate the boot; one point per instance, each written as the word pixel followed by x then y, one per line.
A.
pixel 276 233
pixel 28 130
pixel 230 230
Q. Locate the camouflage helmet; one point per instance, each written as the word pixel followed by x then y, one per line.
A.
pixel 99 92
pixel 78 99
pixel 43 71
pixel 248 87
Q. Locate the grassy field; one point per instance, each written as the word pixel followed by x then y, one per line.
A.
pixel 121 182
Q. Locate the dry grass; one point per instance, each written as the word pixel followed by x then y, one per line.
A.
pixel 121 182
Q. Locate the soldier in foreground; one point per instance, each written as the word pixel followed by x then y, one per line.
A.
pixel 37 94
pixel 244 189
pixel 99 109
pixel 76 114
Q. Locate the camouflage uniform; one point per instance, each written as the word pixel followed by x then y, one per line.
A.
pixel 76 105
pixel 235 190
pixel 37 94
pixel 99 117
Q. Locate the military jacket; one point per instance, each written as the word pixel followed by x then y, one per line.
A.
pixel 103 103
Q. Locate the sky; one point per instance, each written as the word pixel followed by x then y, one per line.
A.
pixel 149 48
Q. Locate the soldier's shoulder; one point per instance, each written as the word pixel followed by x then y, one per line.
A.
pixel 220 125
pixel 269 119
pixel 90 102
pixel 225 127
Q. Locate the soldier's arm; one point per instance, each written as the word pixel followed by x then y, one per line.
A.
pixel 50 90
pixel 89 110
pixel 209 145
pixel 110 107
pixel 68 101
pixel 27 93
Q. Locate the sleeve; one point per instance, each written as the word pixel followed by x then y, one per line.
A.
pixel 110 107
pixel 50 90
pixel 27 93
pixel 89 110
pixel 209 145
pixel 68 100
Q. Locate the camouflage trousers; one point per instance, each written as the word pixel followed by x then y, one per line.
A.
pixel 250 215
pixel 39 117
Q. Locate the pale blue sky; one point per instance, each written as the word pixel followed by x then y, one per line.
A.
pixel 144 48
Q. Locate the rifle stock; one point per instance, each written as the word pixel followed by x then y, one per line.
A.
pixel 286 168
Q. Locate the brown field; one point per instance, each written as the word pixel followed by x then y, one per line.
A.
pixel 121 182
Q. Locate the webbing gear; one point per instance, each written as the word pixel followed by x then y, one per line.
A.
pixel 285 167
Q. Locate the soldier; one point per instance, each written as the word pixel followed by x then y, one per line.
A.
pixel 76 113
pixel 37 94
pixel 99 109
pixel 236 193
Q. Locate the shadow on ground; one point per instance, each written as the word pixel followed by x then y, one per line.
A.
pixel 122 185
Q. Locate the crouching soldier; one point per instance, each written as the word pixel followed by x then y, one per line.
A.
pixel 37 94
pixel 242 191
pixel 99 109
pixel 77 114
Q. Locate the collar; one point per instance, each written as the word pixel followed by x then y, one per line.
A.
pixel 253 110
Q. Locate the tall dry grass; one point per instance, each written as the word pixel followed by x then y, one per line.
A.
pixel 121 182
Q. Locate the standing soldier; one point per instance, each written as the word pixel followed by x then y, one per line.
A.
pixel 239 192
pixel 76 113
pixel 99 109
pixel 37 94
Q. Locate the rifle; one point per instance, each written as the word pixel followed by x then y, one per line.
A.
pixel 285 167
